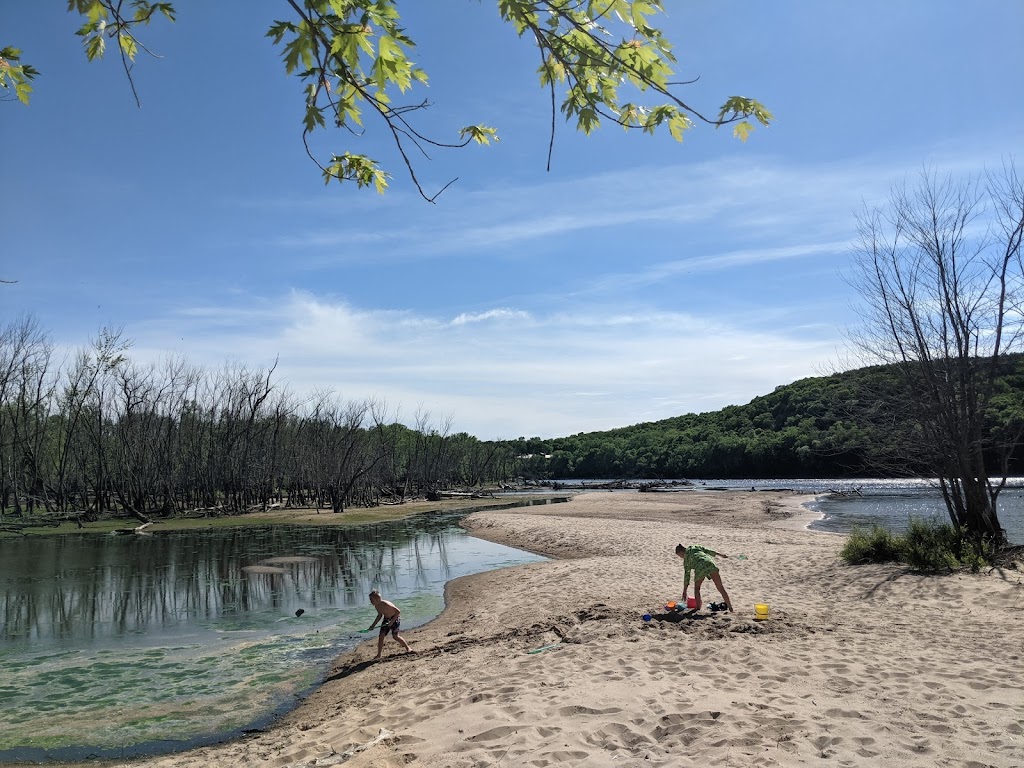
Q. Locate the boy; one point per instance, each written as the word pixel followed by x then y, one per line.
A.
pixel 699 560
pixel 390 614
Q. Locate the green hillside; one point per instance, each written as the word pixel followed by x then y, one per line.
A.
pixel 847 424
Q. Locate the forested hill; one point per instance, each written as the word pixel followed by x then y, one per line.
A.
pixel 847 424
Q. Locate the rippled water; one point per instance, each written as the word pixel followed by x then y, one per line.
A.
pixel 116 646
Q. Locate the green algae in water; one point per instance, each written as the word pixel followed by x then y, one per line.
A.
pixel 194 674
pixel 173 702
pixel 176 692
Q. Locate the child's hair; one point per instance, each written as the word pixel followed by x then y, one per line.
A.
pixel 374 593
pixel 680 549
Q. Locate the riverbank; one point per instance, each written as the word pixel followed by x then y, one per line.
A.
pixel 281 515
pixel 551 664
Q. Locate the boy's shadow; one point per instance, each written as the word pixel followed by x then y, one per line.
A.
pixel 351 669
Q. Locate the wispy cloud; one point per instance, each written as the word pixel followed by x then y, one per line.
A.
pixel 504 372
pixel 654 273
pixel 751 197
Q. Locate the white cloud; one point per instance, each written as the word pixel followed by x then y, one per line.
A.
pixel 598 349
pixel 492 314
pixel 503 373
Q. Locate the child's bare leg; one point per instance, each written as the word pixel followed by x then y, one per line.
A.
pixel 380 644
pixel 717 578
pixel 696 592
pixel 404 644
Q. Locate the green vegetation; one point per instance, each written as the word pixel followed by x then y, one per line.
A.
pixel 878 545
pixel 926 545
pixel 604 59
pixel 98 436
pixel 852 424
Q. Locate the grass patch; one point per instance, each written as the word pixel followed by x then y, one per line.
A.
pixel 926 545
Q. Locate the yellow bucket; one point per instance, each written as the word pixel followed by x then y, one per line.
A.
pixel 760 612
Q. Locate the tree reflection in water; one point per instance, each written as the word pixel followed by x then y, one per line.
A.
pixel 82 588
pixel 124 645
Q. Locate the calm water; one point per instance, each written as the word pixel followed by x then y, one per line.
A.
pixel 116 646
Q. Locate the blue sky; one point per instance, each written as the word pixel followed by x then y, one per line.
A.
pixel 639 279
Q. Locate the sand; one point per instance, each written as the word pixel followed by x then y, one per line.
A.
pixel 856 666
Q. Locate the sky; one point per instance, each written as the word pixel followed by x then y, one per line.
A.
pixel 636 280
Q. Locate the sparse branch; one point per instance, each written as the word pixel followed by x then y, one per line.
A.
pixel 935 272
pixel 352 56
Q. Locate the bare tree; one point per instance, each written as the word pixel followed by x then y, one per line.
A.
pixel 939 272
pixel 26 388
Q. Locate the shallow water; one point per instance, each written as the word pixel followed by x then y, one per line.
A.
pixel 117 646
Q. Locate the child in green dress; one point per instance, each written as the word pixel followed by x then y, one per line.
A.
pixel 699 560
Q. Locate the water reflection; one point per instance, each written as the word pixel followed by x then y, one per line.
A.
pixel 127 645
pixel 100 587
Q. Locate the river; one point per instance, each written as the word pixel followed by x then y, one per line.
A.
pixel 117 646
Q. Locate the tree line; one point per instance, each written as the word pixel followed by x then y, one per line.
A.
pixel 95 432
pixel 850 424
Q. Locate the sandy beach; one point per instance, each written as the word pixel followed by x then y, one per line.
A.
pixel 551 663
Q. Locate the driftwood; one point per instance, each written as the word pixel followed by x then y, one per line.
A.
pixel 852 492
pixel 673 486
pixel 266 507
pixel 139 529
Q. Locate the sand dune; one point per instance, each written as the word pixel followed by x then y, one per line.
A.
pixel 551 664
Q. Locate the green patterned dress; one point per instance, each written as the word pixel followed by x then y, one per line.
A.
pixel 699 560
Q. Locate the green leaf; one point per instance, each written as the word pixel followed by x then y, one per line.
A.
pixel 481 134
pixel 128 45
pixel 94 47
pixel 23 90
pixel 358 168
pixel 678 125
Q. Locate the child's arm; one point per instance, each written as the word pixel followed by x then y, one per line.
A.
pixel 379 617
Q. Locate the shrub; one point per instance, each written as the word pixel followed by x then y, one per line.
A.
pixel 876 546
pixel 927 545
pixel 931 546
pixel 977 555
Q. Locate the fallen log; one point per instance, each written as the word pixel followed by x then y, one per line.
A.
pixel 139 529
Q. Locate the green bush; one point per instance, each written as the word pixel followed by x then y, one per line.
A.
pixel 927 545
pixel 977 555
pixel 876 546
pixel 931 546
